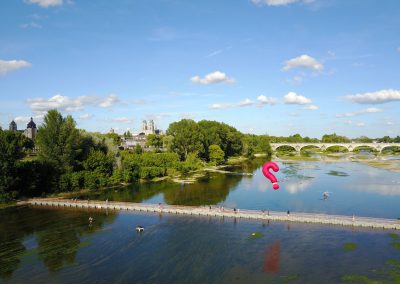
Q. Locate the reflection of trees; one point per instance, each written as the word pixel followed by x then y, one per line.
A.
pixel 211 190
pixel 59 235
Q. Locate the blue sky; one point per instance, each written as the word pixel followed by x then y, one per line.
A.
pixel 264 66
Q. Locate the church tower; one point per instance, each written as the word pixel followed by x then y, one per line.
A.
pixel 30 130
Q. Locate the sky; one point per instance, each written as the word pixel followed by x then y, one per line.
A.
pixel 276 67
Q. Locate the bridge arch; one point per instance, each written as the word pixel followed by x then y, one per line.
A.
pixel 286 146
pixel 311 146
pixel 364 146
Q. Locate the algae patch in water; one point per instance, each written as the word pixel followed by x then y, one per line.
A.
pixel 255 235
pixel 338 174
pixel 394 236
pixel 288 279
pixel 349 247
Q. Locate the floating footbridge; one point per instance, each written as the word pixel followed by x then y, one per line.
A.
pixel 339 220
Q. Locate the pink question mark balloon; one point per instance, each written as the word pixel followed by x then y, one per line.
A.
pixel 268 175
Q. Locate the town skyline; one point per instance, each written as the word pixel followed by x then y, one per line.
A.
pixel 269 67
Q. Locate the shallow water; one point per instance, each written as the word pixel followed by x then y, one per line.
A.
pixel 52 245
pixel 353 188
pixel 40 245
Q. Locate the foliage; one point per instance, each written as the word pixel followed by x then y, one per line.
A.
pixel 155 141
pixel 11 150
pixel 58 141
pixel 115 138
pixel 216 155
pixel 187 138
pixel 334 138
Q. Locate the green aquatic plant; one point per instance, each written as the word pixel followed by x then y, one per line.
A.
pixel 394 236
pixel 349 246
pixel 289 279
pixel 390 275
pixel 338 174
pixel 255 235
pixel 396 245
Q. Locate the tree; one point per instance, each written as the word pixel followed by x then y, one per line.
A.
pixel 100 162
pixel 334 138
pixel 155 141
pixel 128 134
pixel 11 150
pixel 58 141
pixel 216 155
pixel 138 149
pixel 115 137
pixel 187 137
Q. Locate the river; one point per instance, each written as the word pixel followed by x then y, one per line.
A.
pixel 52 245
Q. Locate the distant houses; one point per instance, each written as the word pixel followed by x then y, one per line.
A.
pixel 30 131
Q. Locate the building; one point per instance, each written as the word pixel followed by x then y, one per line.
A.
pixel 31 130
pixel 147 127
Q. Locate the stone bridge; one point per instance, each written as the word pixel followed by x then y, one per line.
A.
pixel 323 146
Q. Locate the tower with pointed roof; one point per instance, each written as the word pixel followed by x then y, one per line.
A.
pixel 30 130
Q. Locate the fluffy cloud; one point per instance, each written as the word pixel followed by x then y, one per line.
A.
pixel 85 116
pixel 263 100
pixel 12 65
pixel 379 97
pixel 31 25
pixel 109 101
pixel 64 103
pixel 279 2
pixel 311 107
pixel 45 3
pixel 360 124
pixel 295 99
pixel 213 78
pixel 360 112
pixel 26 119
pixel 303 61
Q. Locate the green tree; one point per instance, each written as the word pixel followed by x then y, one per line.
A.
pixel 58 141
pixel 217 156
pixel 115 138
pixel 334 138
pixel 99 162
pixel 155 141
pixel 11 150
pixel 187 137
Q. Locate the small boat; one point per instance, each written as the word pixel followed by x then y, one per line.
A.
pixel 139 228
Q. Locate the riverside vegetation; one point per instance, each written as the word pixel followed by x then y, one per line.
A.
pixel 69 159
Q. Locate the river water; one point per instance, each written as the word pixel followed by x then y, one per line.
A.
pixel 51 245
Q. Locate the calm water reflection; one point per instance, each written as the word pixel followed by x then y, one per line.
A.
pixel 354 189
pixel 50 245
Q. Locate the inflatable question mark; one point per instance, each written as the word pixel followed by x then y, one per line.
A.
pixel 268 175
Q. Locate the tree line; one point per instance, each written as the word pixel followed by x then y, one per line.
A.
pixel 70 159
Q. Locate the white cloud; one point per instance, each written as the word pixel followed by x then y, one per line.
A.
pixel 263 100
pixel 214 53
pixel 303 61
pixel 45 3
pixel 360 112
pixel 311 107
pixel 65 103
pixel 293 98
pixel 123 120
pixel 279 2
pixel 109 101
pixel 26 119
pixel 389 123
pixel 246 102
pixel 30 25
pixel 213 78
pixel 12 65
pixel 360 124
pixel 85 116
pixel 221 106
pixel 379 97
